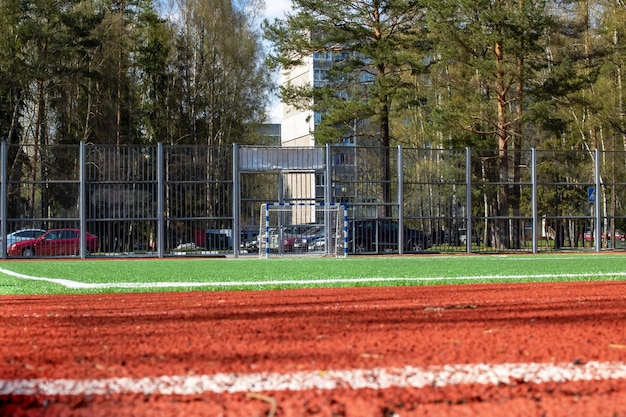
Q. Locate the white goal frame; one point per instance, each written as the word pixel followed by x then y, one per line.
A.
pixel 332 218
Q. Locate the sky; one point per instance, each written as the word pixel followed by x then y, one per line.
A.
pixel 276 9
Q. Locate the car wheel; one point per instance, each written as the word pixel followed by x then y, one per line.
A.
pixel 415 246
pixel 359 246
pixel 28 252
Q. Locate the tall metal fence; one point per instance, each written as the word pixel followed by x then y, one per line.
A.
pixel 169 200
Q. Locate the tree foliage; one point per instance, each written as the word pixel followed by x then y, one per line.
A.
pixel 370 46
pixel 117 72
pixel 506 75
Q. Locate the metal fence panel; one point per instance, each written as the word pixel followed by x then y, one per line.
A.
pixel 121 189
pixel 435 195
pixel 42 189
pixel 155 200
pixel 612 199
pixel 565 214
pixel 501 199
pixel 198 200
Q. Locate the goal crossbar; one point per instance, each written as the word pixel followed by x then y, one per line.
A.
pixel 303 229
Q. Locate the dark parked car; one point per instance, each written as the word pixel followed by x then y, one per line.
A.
pixel 381 235
pixel 291 238
pixel 303 241
pixel 55 242
pixel 249 240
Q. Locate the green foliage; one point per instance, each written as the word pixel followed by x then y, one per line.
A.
pixel 371 47
pixel 117 72
pixel 11 74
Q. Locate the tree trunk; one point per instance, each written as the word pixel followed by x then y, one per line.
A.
pixel 385 161
pixel 501 229
pixel 517 226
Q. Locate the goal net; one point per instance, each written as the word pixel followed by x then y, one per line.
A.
pixel 300 229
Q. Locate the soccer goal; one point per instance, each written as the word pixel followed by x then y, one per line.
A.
pixel 300 229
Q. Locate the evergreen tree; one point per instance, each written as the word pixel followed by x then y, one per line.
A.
pixel 492 53
pixel 373 44
pixel 12 80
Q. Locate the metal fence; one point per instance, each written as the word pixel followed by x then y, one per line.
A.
pixel 169 200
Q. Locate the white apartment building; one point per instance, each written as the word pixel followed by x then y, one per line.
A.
pixel 297 126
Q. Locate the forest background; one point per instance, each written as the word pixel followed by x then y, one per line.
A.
pixel 500 75
pixel 483 74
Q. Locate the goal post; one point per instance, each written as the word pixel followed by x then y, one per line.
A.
pixel 303 229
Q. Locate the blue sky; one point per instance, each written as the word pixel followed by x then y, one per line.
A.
pixel 276 9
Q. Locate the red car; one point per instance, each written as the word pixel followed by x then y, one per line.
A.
pixel 618 235
pixel 589 237
pixel 55 242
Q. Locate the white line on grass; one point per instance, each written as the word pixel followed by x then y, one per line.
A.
pixel 84 286
pixel 377 378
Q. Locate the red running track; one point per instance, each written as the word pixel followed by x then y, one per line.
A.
pixel 540 349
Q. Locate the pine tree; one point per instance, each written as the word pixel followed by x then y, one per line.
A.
pixel 493 52
pixel 373 44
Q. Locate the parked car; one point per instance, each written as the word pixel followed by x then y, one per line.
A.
pixel 23 234
pixel 249 240
pixel 381 235
pixel 284 240
pixel 618 235
pixel 318 243
pixel 302 242
pixel 55 242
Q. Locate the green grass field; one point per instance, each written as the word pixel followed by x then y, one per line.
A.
pixel 113 275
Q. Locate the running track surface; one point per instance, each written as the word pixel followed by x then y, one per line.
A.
pixel 540 349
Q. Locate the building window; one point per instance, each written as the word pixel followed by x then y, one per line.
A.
pixel 322 56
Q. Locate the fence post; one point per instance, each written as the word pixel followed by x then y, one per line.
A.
pixel 82 206
pixel 469 233
pixel 533 174
pixel 596 205
pixel 328 180
pixel 3 198
pixel 160 201
pixel 328 192
pixel 401 203
pixel 236 203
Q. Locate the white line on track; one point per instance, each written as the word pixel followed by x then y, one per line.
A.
pixel 377 378
pixel 85 286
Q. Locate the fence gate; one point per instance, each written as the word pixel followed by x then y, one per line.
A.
pixel 273 174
